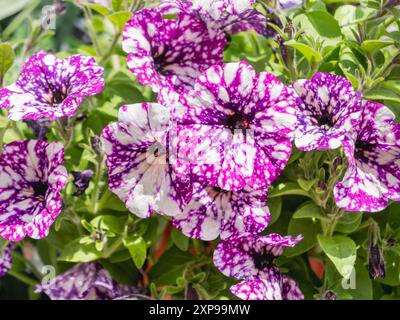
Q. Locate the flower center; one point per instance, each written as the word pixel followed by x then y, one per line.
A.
pixel 39 189
pixel 361 148
pixel 264 260
pixel 237 121
pixel 325 120
pixel 59 97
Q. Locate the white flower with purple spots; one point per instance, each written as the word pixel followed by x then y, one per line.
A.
pixel 31 178
pixel 215 212
pixel 170 53
pixel 49 87
pixel 373 174
pixel 251 258
pixel 5 259
pixel 85 281
pixel 329 109
pixel 231 16
pixel 288 4
pixel 137 156
pixel 234 128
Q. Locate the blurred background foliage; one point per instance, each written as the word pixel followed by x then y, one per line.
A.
pixel 355 39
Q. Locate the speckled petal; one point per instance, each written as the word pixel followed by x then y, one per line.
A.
pixel 373 175
pixel 32 175
pixel 49 87
pixel 290 289
pixel 236 257
pixel 260 289
pixel 214 212
pixel 5 259
pixel 85 281
pixel 329 110
pixel 170 53
pixel 137 155
pixel 231 16
pixel 240 121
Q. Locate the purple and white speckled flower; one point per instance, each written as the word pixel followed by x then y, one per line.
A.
pixel 5 259
pixel 329 109
pixel 251 258
pixel 170 53
pixel 85 281
pixel 214 212
pixel 373 175
pixel 137 157
pixel 234 128
pixel 49 87
pixel 31 178
pixel 288 4
pixel 231 16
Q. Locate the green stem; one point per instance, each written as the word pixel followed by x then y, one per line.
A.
pixel 112 47
pixel 25 279
pixel 96 190
pixel 91 29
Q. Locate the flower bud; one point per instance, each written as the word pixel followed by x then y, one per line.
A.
pixel 81 181
pixel 39 128
pixel 95 142
pixel 329 295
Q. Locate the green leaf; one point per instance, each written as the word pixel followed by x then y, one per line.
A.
pixel 170 266
pixel 309 210
pixel 98 8
pixel 120 18
pixel 371 46
pixel 309 53
pixel 78 252
pixel 341 250
pixel 117 4
pixel 137 248
pixel 180 240
pixel 349 222
pixel 8 8
pixel 275 209
pixel 359 287
pixel 309 229
pixel 320 24
pixel 381 94
pixel 307 185
pixel 6 58
pixel 109 223
pixel 289 188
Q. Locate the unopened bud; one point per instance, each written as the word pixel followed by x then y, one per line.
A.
pixel 81 181
pixel 329 295
pixel 96 144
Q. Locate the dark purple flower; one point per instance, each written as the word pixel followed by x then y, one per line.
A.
pixel 81 181
pixel 39 127
pixel 251 258
pixel 31 178
pixel 49 87
pixel 85 281
pixel 373 174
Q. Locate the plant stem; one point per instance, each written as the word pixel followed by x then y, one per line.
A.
pixel 25 279
pixel 96 190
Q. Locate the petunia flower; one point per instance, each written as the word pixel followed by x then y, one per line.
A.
pixel 214 212
pixel 231 16
pixel 329 109
pixel 251 258
pixel 234 128
pixel 5 259
pixel 373 174
pixel 287 4
pixel 31 178
pixel 49 87
pixel 85 281
pixel 137 156
pixel 170 52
